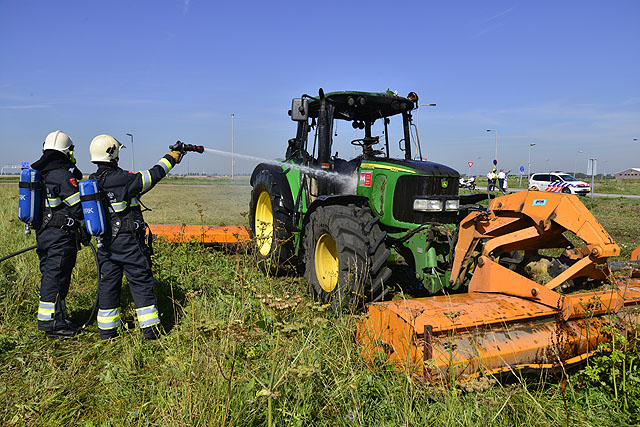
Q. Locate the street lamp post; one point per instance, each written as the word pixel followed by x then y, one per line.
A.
pixel 496 131
pixel 418 127
pixel 529 164
pixel 232 148
pixel 593 166
pixel 575 169
pixel 133 163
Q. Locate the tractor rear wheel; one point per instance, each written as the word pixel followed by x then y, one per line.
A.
pixel 268 219
pixel 345 256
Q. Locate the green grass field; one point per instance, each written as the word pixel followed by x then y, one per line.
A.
pixel 245 349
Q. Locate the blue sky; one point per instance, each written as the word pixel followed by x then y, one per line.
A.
pixel 563 75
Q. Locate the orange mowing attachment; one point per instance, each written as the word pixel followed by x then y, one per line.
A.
pixel 511 319
pixel 465 335
pixel 201 233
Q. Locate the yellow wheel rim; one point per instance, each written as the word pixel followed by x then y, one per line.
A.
pixel 326 258
pixel 263 224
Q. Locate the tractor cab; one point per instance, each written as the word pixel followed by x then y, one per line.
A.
pixel 362 110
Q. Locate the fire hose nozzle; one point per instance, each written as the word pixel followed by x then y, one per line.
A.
pixel 182 147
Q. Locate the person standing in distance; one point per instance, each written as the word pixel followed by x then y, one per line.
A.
pixel 501 178
pixel 491 179
pixel 57 234
pixel 124 248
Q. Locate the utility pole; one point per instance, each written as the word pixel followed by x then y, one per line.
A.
pixel 133 162
pixel 496 131
pixel 418 127
pixel 592 165
pixel 575 161
pixel 529 164
pixel 232 148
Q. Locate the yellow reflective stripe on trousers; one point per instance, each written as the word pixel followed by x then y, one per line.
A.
pixel 166 165
pixel 134 202
pixel 147 316
pixel 146 180
pixel 52 203
pixel 119 206
pixel 109 319
pixel 46 311
pixel 73 199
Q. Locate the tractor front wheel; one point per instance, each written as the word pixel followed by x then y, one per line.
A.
pixel 345 256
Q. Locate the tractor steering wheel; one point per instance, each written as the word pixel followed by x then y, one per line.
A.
pixel 361 142
pixel 366 144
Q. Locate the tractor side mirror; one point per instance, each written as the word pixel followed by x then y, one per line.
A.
pixel 299 109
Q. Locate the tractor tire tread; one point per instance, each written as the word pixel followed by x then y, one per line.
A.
pixel 361 242
pixel 281 257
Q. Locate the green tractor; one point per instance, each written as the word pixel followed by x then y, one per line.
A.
pixel 345 223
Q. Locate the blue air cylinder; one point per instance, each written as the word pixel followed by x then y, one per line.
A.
pixel 91 198
pixel 29 196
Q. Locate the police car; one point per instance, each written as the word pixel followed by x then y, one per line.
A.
pixel 558 182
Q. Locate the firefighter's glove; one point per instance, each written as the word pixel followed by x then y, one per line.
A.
pixel 77 173
pixel 177 155
pixel 82 236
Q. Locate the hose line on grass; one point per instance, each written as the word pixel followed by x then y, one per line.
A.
pixel 18 252
pixel 94 310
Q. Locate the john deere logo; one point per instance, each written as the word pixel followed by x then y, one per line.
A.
pixel 445 183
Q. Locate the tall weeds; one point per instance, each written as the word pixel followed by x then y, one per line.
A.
pixel 242 349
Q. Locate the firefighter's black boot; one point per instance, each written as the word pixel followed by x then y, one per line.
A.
pixel 67 332
pixel 151 332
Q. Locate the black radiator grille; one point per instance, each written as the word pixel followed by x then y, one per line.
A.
pixel 410 186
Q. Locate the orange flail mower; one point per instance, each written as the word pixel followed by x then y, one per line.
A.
pixel 540 294
pixel 207 234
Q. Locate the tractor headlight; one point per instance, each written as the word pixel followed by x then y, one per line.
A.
pixel 451 205
pixel 427 205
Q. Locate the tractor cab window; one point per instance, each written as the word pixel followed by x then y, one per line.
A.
pixel 361 125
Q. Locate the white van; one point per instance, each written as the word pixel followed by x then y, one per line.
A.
pixel 558 182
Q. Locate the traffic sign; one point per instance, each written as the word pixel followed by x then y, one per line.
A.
pixel 470 164
pixel 521 168
pixel 495 162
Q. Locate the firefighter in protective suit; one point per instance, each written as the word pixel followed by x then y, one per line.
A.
pixel 124 247
pixel 57 235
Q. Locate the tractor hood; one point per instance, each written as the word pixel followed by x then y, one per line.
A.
pixel 421 167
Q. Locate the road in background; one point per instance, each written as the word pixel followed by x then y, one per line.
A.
pixel 516 190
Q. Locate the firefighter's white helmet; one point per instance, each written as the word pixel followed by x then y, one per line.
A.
pixel 58 141
pixel 104 148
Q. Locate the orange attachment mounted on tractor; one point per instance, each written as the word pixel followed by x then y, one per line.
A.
pixel 540 293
